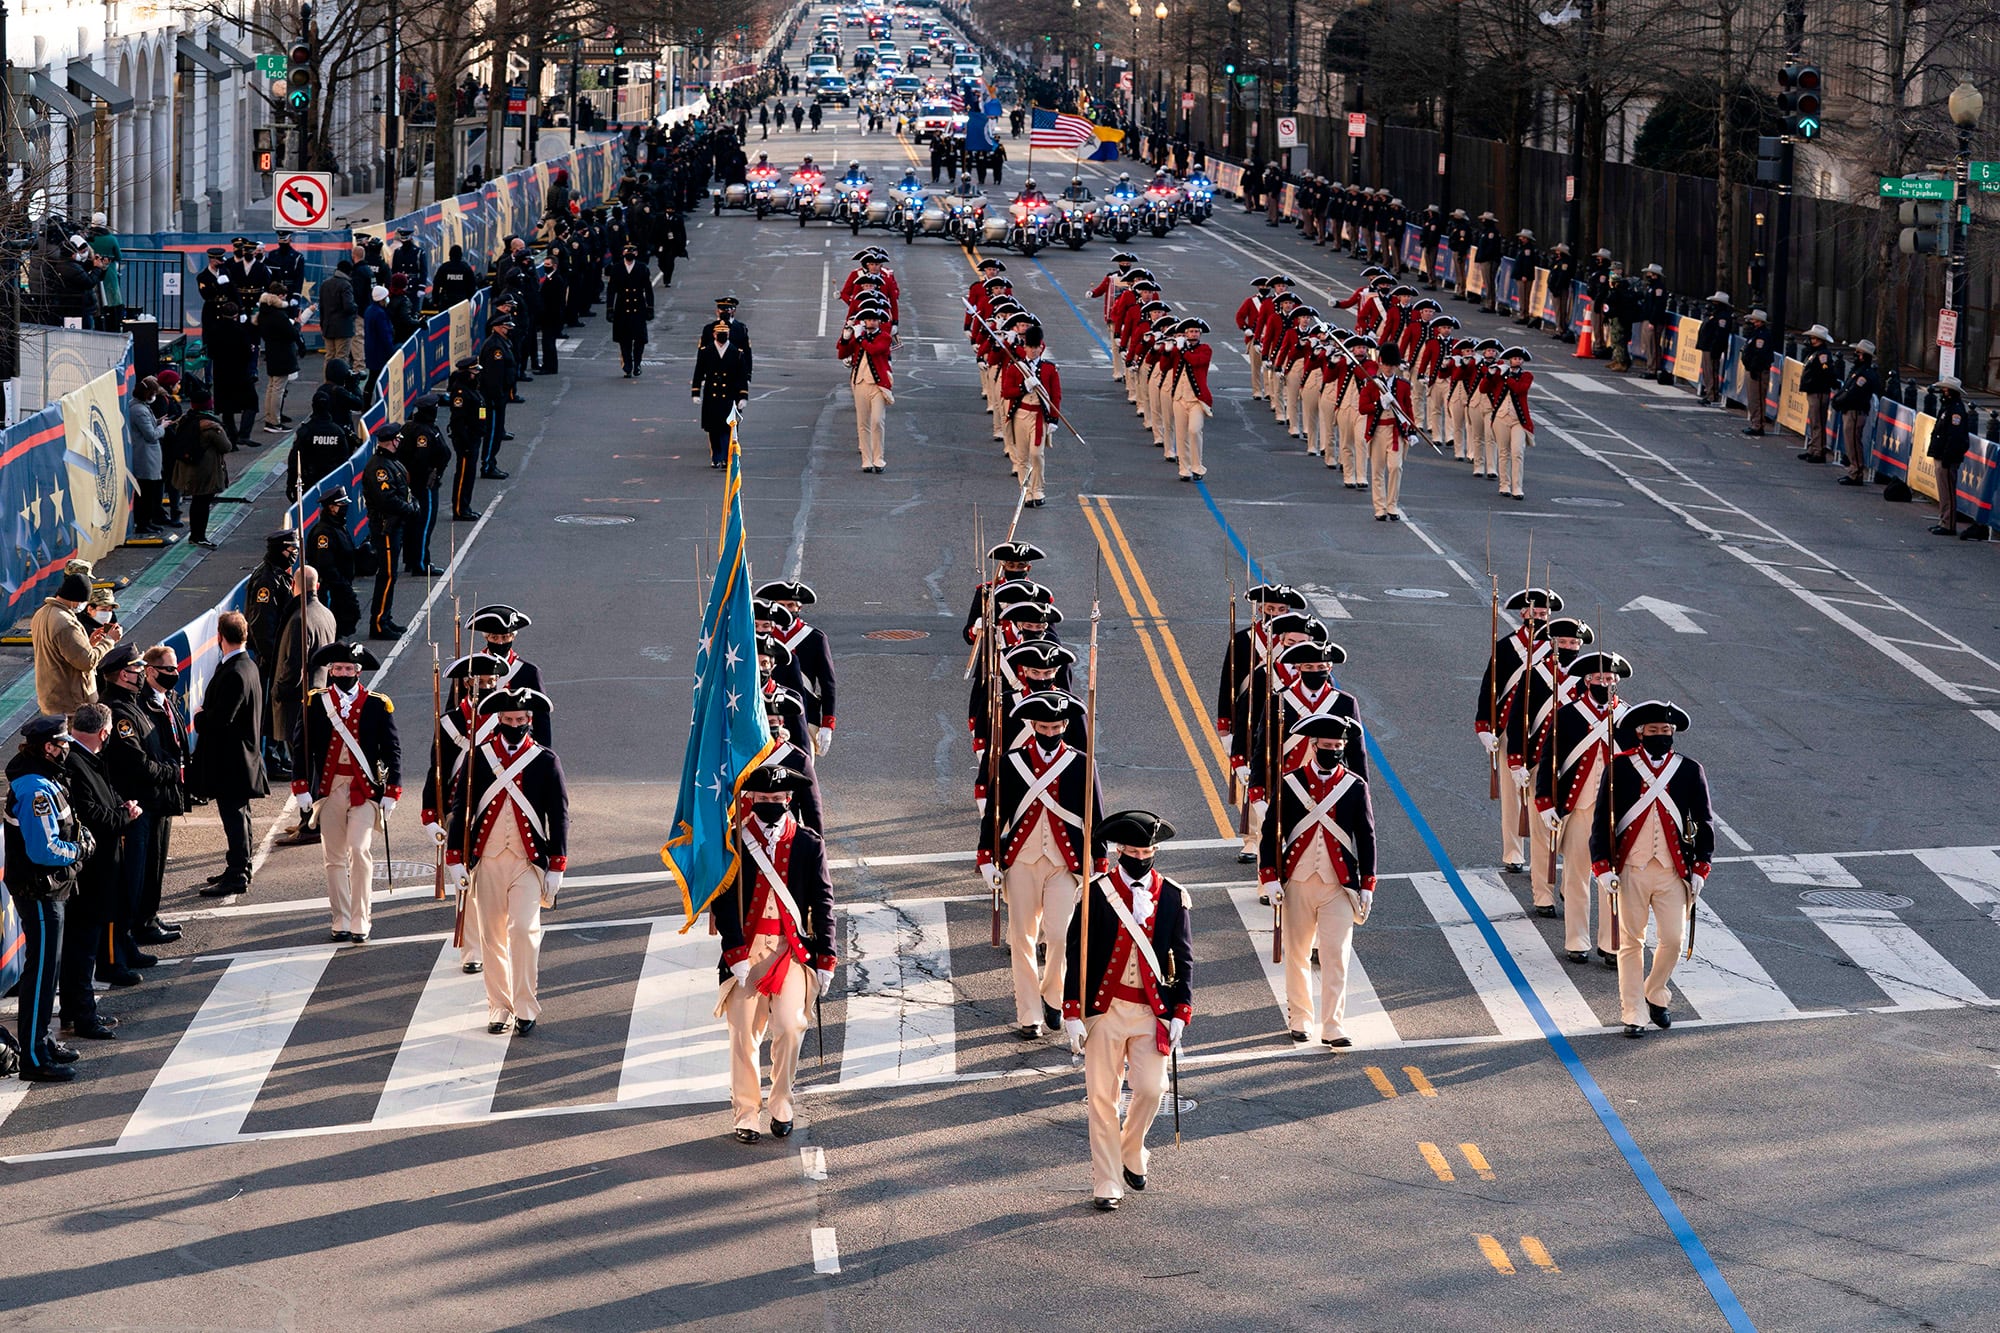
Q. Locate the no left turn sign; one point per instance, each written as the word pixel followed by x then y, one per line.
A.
pixel 303 201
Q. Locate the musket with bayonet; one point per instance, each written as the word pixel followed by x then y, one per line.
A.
pixel 1027 370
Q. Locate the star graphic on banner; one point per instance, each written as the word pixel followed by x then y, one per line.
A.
pixel 28 513
pixel 729 657
pixel 706 640
pixel 734 699
pixel 56 498
pixel 35 507
pixel 716 785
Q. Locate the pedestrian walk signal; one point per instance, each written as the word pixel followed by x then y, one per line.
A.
pixel 1799 99
pixel 1923 227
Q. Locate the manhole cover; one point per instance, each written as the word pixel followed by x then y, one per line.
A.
pixel 404 872
pixel 596 520
pixel 1868 898
pixel 897 635
pixel 1586 502
pixel 1417 594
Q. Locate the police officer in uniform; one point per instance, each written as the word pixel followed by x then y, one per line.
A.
pixel 423 454
pixel 509 835
pixel 1651 846
pixel 322 444
pixel 386 492
pixel 1127 1004
pixel 776 926
pixel 497 373
pixel 46 845
pixel 1317 862
pixel 331 551
pixel 468 435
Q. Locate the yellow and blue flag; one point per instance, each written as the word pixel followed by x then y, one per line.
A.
pixel 729 736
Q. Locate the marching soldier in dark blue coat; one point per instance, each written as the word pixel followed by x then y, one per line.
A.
pixel 628 305
pixel 1317 861
pixel 1248 649
pixel 498 623
pixel 386 491
pixel 1127 1004
pixel 509 834
pixel 1651 843
pixel 776 926
pixel 784 710
pixel 1027 668
pixel 1548 687
pixel 1016 561
pixel 460 727
pixel 814 658
pixel 1501 715
pixel 331 551
pixel 1566 782
pixel 774 622
pixel 353 776
pixel 1030 848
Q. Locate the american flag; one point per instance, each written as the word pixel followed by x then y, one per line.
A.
pixel 957 103
pixel 1059 129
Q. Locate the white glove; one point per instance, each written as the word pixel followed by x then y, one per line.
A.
pixel 991 874
pixel 454 876
pixel 305 800
pixel 1175 1027
pixel 1260 807
pixel 741 971
pixel 1276 893
pixel 388 806
pixel 1489 740
pixel 1518 773
pixel 1366 899
pixel 436 832
pixel 1610 882
pixel 1550 819
pixel 822 741
pixel 825 980
pixel 1241 772
pixel 1073 1032
pixel 1698 883
pixel 551 885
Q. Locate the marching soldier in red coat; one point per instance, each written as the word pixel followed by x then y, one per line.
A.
pixel 1108 286
pixel 1031 387
pixel 1031 849
pixel 1651 843
pixel 353 774
pixel 1513 423
pixel 509 833
pixel 1384 406
pixel 1193 403
pixel 874 263
pixel 1566 783
pixel 864 346
pixel 1482 379
pixel 1249 319
pixel 776 924
pixel 1367 301
pixel 1431 371
pixel 1501 714
pixel 1317 858
pixel 1128 1003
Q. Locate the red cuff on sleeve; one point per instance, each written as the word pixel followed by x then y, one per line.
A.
pixel 453 857
pixel 732 957
pixel 1542 804
pixel 395 793
pixel 1184 1012
pixel 1266 877
pixel 298 787
pixel 826 962
pixel 559 863
pixel 430 815
pixel 1600 867
pixel 828 724
pixel 1368 884
pixel 1702 869
pixel 1072 1009
pixel 983 859
pixel 1482 729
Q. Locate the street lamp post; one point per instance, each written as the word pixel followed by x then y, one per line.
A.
pixel 1160 57
pixel 1232 132
pixel 1965 105
pixel 1132 94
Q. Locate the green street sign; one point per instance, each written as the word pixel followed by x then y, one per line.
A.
pixel 1985 173
pixel 271 67
pixel 1914 187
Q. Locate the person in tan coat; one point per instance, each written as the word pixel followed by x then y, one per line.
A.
pixel 66 654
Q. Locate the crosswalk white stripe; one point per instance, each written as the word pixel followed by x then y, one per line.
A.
pixel 1724 981
pixel 1664 390
pixel 1582 383
pixel 208 1085
pixel 900 1024
pixel 11 1096
pixel 1973 873
pixel 1910 972
pixel 1818 872
pixel 448 1067
pixel 1367 1022
pixel 1531 953
pixel 676 1049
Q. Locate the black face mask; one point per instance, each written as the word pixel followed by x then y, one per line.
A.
pixel 1599 694
pixel 1312 680
pixel 768 811
pixel 1566 655
pixel 1656 746
pixel 1048 743
pixel 1327 757
pixel 1135 867
pixel 512 735
pixel 167 679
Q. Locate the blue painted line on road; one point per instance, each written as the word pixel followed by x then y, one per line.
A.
pixel 1683 1231
pixel 1614 1125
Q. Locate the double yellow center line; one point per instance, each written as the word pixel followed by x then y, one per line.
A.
pixel 1127 576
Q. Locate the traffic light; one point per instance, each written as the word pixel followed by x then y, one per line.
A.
pixel 299 77
pixel 1799 99
pixel 1774 160
pixel 1923 228
pixel 263 154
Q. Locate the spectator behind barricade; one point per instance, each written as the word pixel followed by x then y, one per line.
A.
pixel 1855 402
pixel 338 312
pixel 143 427
pixel 199 470
pixel 404 317
pixel 111 291
pixel 278 333
pixel 66 650
pixel 100 610
pixel 379 335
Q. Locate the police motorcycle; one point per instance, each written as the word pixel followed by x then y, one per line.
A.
pixel 1119 213
pixel 1076 215
pixel 851 195
pixel 905 205
pixel 1200 198
pixel 1031 221
pixel 965 215
pixel 1159 208
pixel 760 192
pixel 807 186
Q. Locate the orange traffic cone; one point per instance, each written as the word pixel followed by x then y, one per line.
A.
pixel 1583 340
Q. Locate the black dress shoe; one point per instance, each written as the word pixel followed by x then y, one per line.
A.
pixel 1029 1032
pixel 1579 955
pixel 1634 1031
pixel 1514 867
pixel 1133 1178
pixel 98 1028
pixel 465 516
pixel 227 888
pixel 499 1025
pixel 47 1074
pixel 1748 431
pixel 141 959
pixel 1246 858
pixel 1545 909
pixel 1608 960
pixel 149 933
pixel 356 937
pixel 1102 1205
pixel 59 1053
pixel 473 969
pixel 1339 1043
pixel 494 474
pixel 341 936
pixel 1851 481
pixel 524 1027
pixel 119 976
pixel 747 1136
pixel 1663 1017
pixel 781 1129
pixel 1298 1036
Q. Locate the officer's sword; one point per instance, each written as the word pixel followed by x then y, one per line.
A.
pixel 1395 408
pixel 382 817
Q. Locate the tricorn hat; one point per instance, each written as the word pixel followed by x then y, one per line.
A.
pixel 336 653
pixel 1135 828
pixel 517 699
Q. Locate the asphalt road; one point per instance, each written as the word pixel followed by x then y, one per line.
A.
pixel 289 1137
